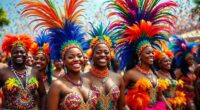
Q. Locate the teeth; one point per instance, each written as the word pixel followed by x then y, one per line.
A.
pixel 76 65
pixel 19 58
pixel 102 60
pixel 38 65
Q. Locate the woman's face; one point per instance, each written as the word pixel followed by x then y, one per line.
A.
pixel 18 55
pixel 101 56
pixel 189 59
pixel 40 62
pixel 74 60
pixel 147 55
pixel 29 60
pixel 165 63
pixel 58 64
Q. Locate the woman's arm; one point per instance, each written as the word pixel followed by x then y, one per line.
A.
pixel 53 96
pixel 121 102
pixel 41 90
pixel 42 94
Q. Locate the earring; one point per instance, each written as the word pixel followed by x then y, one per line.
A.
pixel 139 61
pixel 92 63
pixel 65 69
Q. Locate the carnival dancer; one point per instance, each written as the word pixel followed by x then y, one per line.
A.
pixel 108 85
pixel 72 91
pixel 40 51
pixel 163 57
pixel 197 81
pixel 19 84
pixel 184 52
pixel 141 22
pixel 58 70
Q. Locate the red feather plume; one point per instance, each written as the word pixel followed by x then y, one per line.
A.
pixel 10 40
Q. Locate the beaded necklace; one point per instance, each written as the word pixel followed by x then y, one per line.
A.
pixel 147 73
pixel 73 82
pixel 99 73
pixel 20 81
pixel 166 74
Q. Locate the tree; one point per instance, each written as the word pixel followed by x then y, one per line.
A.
pixel 196 9
pixel 3 18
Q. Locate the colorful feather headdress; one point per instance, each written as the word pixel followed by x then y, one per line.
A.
pixel 64 32
pixel 41 45
pixel 161 49
pixel 103 35
pixel 141 22
pixel 198 50
pixel 11 41
pixel 181 48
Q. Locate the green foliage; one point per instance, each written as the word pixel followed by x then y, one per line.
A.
pixel 196 2
pixel 196 9
pixel 3 18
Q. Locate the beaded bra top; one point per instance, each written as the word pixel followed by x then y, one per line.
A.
pixel 73 101
pixel 108 101
pixel 19 97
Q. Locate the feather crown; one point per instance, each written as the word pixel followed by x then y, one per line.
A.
pixel 133 11
pixel 99 35
pixel 140 23
pixel 161 49
pixel 64 31
pixel 11 41
pixel 41 45
pixel 181 48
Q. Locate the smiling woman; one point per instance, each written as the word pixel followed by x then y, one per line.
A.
pixel 108 85
pixel 40 51
pixel 18 82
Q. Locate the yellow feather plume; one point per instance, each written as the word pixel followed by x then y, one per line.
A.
pixel 11 82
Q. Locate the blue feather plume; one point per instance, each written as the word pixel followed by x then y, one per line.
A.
pixel 58 37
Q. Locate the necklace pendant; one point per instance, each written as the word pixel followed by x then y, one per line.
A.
pixel 24 100
pixel 22 76
pixel 104 80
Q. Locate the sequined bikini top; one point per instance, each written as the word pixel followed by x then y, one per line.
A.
pixel 73 101
pixel 17 97
pixel 107 101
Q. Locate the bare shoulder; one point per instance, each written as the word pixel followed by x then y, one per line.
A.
pixel 57 84
pixel 131 72
pixel 178 73
pixel 132 75
pixel 4 68
pixel 34 72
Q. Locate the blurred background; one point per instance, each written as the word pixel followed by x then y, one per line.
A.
pixel 187 23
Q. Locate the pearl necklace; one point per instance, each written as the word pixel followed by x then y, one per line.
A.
pixel 20 81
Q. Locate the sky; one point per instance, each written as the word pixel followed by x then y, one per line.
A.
pixel 95 13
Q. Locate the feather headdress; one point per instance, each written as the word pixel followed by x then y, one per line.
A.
pixel 133 11
pixel 103 35
pixel 41 45
pixel 64 32
pixel 198 50
pixel 11 41
pixel 161 49
pixel 141 22
pixel 181 48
